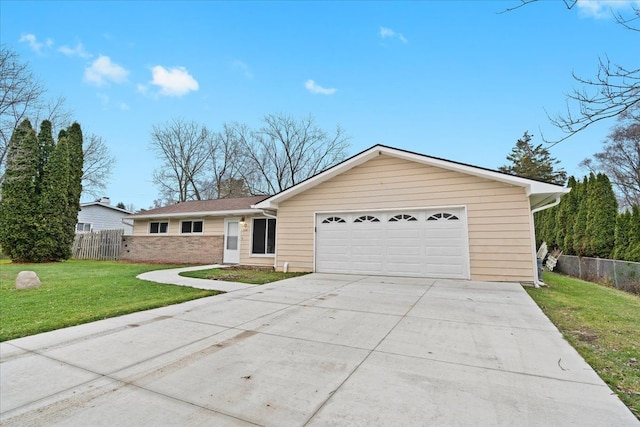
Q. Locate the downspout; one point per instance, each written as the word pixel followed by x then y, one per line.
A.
pixel 537 282
pixel 272 215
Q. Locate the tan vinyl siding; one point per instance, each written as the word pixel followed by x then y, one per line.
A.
pixel 497 214
pixel 212 226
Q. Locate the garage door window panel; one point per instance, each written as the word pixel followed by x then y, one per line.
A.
pixel 366 219
pixel 334 219
pixel 263 238
pixel 443 216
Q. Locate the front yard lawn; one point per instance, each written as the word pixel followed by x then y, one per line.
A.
pixel 252 276
pixel 75 292
pixel 602 324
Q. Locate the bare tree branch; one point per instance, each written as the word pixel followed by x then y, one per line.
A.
pixel 286 151
pixel 98 165
pixel 20 95
pixel 613 91
pixel 184 149
pixel 620 158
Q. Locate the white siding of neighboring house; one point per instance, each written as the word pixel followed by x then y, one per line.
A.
pixel 104 218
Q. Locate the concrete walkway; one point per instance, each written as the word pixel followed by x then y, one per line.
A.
pixel 172 277
pixel 316 350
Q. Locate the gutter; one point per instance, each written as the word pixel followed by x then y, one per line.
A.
pixel 537 281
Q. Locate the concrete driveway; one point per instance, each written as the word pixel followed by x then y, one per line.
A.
pixel 316 350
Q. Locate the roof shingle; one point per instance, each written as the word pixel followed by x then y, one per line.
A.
pixel 199 206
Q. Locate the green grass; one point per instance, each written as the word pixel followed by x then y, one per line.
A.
pixel 252 276
pixel 602 324
pixel 75 292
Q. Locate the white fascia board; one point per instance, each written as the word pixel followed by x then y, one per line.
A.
pixel 531 187
pixel 197 214
pixel 115 208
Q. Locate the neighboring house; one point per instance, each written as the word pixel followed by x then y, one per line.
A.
pixel 100 215
pixel 383 211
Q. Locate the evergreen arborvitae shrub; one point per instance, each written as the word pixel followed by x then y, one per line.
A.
pixel 633 251
pixel 53 205
pixel 41 193
pixel 602 211
pixel 623 222
pixel 18 207
pixel 580 237
pixel 564 216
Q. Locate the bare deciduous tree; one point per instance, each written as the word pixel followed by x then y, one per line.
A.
pixel 20 94
pixel 226 164
pixel 286 151
pixel 614 90
pixel 239 161
pixel 98 165
pixel 184 148
pixel 620 159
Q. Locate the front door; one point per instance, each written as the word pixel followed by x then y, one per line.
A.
pixel 231 241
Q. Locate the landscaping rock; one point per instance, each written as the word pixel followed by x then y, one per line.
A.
pixel 27 280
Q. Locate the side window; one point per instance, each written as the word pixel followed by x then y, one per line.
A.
pixel 158 227
pixel 191 227
pixel 263 237
pixel 83 227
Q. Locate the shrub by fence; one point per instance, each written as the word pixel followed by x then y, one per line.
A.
pixel 102 245
pixel 623 275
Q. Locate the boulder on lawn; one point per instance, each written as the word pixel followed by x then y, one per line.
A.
pixel 27 280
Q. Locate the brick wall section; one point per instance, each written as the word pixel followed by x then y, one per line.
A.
pixel 172 249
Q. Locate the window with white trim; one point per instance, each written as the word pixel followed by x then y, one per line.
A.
pixel 158 227
pixel 189 227
pixel 83 227
pixel 263 236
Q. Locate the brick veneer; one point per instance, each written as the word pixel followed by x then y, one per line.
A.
pixel 172 249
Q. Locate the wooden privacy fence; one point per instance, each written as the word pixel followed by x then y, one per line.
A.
pixel 102 245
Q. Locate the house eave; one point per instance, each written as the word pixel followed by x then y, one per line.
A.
pixel 196 214
pixel 532 187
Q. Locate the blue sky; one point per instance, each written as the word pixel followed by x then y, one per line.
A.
pixel 453 79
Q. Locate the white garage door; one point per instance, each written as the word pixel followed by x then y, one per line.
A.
pixel 426 243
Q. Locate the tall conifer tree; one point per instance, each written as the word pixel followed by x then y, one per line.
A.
pixel 561 216
pixel 623 222
pixel 53 203
pixel 580 237
pixel 73 137
pixel 18 207
pixel 602 210
pixel 633 252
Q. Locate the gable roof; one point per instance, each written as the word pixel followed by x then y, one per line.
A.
pixel 105 205
pixel 215 207
pixel 540 193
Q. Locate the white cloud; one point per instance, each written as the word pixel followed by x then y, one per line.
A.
pixel 78 50
pixel 124 106
pixel 174 81
pixel 102 70
pixel 244 68
pixel 313 87
pixel 33 42
pixel 389 33
pixel 603 8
